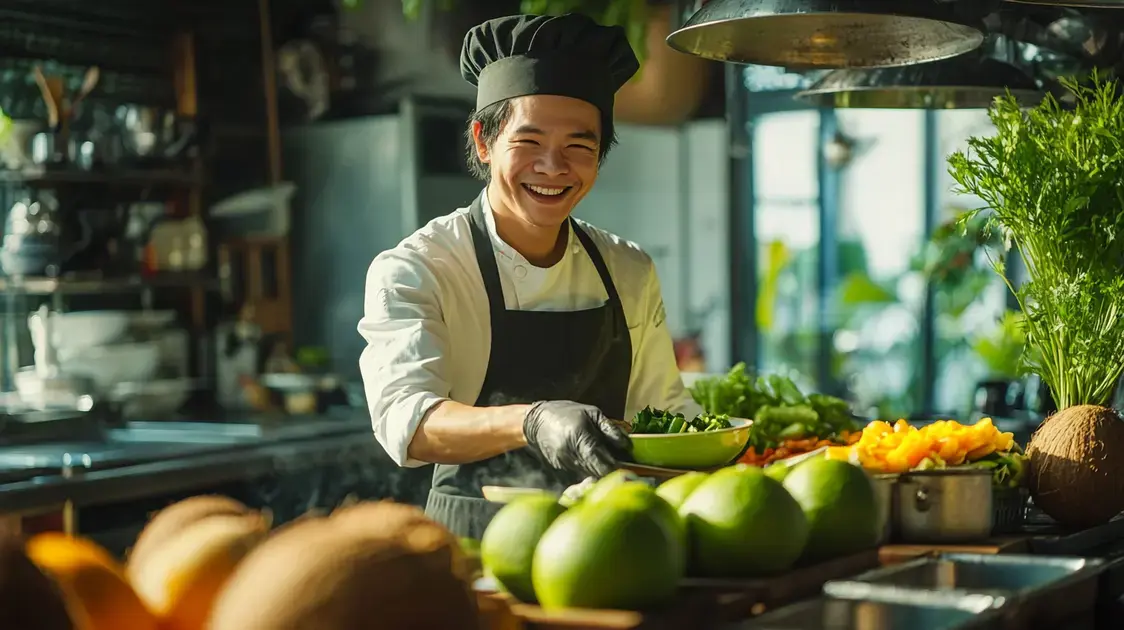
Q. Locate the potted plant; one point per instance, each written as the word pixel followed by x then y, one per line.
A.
pixel 1051 177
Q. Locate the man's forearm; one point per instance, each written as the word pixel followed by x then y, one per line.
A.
pixel 453 433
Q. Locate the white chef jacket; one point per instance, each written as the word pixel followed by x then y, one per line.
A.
pixel 427 324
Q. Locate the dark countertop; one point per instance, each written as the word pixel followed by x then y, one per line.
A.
pixel 144 459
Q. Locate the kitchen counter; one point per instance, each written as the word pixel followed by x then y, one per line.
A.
pixel 146 459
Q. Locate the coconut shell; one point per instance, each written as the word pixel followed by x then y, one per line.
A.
pixel 29 600
pixel 328 575
pixel 408 526
pixel 1076 473
pixel 173 519
pixel 180 580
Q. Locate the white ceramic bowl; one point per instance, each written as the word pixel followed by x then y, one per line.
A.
pixel 109 366
pixel 505 494
pixel 82 329
pixel 154 400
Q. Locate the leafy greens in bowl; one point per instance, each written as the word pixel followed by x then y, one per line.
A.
pixel 669 440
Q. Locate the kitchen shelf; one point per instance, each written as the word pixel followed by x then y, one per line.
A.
pixel 87 285
pixel 131 177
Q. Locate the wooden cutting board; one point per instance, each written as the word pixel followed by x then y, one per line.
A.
pixel 501 612
pixel 892 554
pixel 702 603
pixel 740 599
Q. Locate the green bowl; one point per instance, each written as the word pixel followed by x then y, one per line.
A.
pixel 692 451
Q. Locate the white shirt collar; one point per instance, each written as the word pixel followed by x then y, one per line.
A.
pixel 501 246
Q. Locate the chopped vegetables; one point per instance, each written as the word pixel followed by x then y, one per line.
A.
pixel 898 448
pixel 650 421
pixel 779 410
pixel 792 448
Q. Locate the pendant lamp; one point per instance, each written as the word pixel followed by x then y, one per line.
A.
pixel 819 34
pixel 1089 4
pixel 966 82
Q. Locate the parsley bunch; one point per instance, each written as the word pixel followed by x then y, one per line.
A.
pixel 1053 179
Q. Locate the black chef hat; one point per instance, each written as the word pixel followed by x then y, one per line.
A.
pixel 565 55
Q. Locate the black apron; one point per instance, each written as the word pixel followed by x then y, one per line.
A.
pixel 583 356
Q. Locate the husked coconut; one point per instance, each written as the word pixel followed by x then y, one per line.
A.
pixel 409 526
pixel 1077 466
pixel 175 518
pixel 180 580
pixel 329 574
pixel 29 600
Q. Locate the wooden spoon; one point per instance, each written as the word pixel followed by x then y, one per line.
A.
pixel 51 88
pixel 89 82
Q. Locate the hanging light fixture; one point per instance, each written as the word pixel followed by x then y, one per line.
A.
pixel 816 34
pixel 1089 4
pixel 968 82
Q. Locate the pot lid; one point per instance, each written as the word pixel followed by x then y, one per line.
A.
pixel 812 34
pixel 962 83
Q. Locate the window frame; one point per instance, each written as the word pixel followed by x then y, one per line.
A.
pixel 744 109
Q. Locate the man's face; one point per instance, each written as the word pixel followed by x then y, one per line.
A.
pixel 545 158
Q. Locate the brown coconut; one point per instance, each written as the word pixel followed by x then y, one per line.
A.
pixel 29 600
pixel 175 518
pixel 1077 466
pixel 180 580
pixel 410 527
pixel 330 574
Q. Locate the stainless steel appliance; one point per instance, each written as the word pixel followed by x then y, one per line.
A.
pixel 364 184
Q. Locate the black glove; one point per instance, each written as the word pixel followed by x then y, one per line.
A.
pixel 577 437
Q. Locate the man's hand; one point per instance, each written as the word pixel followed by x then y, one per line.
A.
pixel 573 436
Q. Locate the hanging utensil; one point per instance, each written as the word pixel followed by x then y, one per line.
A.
pixel 89 82
pixel 968 82
pixel 51 88
pixel 812 34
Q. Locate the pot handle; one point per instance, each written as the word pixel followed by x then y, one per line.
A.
pixel 921 499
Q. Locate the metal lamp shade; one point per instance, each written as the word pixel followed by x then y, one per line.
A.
pixel 1089 4
pixel 817 34
pixel 963 83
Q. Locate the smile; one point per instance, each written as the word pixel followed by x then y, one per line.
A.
pixel 546 191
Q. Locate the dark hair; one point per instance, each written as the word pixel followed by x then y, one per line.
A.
pixel 492 119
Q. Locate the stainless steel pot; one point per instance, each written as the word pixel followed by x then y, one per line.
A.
pixel 884 492
pixel 944 506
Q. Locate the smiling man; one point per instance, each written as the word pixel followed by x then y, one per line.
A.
pixel 504 339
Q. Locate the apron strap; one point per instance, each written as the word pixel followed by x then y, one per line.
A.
pixel 486 260
pixel 598 262
pixel 489 270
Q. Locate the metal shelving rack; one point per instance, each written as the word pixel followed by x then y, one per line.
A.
pixel 148 53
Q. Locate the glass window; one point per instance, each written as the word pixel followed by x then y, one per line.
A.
pixel 784 156
pixel 880 230
pixel 787 287
pixel 971 299
pixel 786 223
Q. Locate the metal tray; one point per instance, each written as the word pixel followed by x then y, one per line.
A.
pixel 839 614
pixel 1042 589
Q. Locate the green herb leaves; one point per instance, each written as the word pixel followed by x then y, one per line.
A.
pixel 1054 180
pixel 779 410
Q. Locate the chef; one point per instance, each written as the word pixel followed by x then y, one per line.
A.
pixel 504 339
